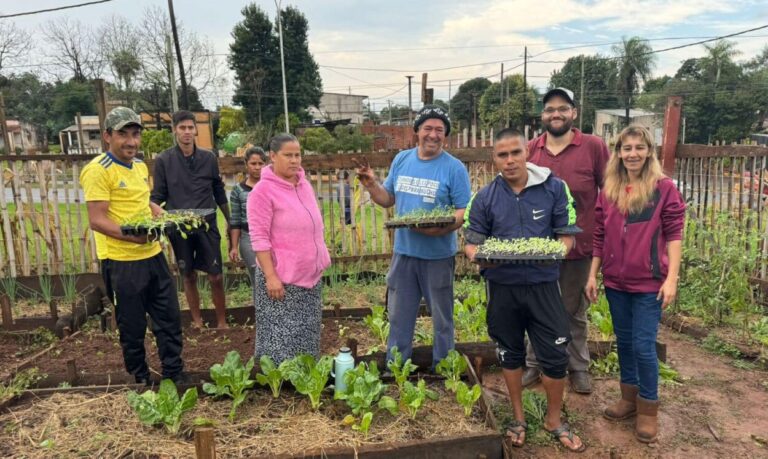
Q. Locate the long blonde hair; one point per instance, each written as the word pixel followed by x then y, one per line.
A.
pixel 617 178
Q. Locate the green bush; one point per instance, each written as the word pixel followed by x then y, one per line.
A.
pixel 154 141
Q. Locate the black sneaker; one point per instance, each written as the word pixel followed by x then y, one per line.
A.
pixel 181 379
pixel 146 380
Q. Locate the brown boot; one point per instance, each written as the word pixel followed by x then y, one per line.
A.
pixel 626 407
pixel 647 426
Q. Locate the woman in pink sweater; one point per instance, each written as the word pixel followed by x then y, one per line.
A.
pixel 286 230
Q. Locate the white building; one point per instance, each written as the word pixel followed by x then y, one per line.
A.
pixel 336 106
pixel 609 122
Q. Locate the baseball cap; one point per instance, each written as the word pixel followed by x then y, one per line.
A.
pixel 120 117
pixel 565 93
pixel 432 111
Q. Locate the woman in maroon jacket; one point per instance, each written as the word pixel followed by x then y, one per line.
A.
pixel 639 219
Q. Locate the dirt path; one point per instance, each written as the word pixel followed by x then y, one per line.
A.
pixel 717 412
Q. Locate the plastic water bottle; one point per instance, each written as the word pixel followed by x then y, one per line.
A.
pixel 343 362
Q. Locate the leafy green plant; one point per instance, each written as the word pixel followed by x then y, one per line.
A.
pixel 308 376
pixel 535 410
pixel 10 287
pixel 400 370
pixel 468 397
pixel 364 389
pixel 377 322
pixel 667 375
pixel 600 317
pixel 469 317
pixel 270 375
pixel 46 287
pixel 608 365
pixel 759 330
pixel 163 407
pixel 231 379
pixel 424 215
pixel 521 246
pixel 716 345
pixel 157 227
pixel 22 381
pixel 414 397
pixel 452 367
pixel 69 286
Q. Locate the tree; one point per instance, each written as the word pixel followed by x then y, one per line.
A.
pixel 600 76
pixel 635 65
pixel 118 41
pixel 231 120
pixel 255 59
pixel 29 99
pixel 201 65
pixel 492 113
pixel 72 47
pixel 318 140
pixel 14 42
pixel 463 103
pixel 394 112
pixel 719 58
pixel 69 98
pixel 441 103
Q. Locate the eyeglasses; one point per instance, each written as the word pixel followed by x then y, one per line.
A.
pixel 563 110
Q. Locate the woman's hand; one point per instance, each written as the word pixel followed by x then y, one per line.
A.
pixel 275 288
pixel 234 255
pixel 591 289
pixel 667 292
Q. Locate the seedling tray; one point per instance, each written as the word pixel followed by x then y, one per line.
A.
pixel 518 259
pixel 431 223
pixel 138 230
pixel 569 230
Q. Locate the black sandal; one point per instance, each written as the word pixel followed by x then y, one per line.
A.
pixel 516 428
pixel 564 431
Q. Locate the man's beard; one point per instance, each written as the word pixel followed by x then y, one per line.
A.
pixel 557 132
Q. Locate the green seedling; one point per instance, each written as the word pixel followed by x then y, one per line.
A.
pixel 468 397
pixel 400 370
pixel 521 246
pixel 231 379
pixel 452 367
pixel 377 322
pixel 270 375
pixel 414 397
pixel 163 407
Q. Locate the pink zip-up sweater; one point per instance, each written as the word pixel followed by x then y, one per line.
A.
pixel 284 218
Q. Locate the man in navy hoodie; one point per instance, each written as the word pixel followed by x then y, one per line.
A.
pixel 525 201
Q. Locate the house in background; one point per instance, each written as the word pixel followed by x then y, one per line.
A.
pixel 69 137
pixel 609 122
pixel 23 137
pixel 337 106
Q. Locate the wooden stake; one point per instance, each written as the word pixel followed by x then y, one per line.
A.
pixel 205 443
pixel 7 312
pixel 72 372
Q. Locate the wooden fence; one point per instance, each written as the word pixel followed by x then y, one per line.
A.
pixel 45 224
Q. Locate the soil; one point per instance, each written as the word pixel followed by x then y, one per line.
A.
pixel 718 411
pixel 97 353
pixel 19 346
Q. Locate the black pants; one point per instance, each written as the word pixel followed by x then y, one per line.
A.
pixel 538 309
pixel 138 288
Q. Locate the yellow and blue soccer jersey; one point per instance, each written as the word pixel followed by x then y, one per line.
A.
pixel 126 188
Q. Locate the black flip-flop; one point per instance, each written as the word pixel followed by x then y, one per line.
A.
pixel 514 428
pixel 565 431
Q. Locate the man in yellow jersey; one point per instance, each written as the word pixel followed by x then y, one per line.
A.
pixel 135 272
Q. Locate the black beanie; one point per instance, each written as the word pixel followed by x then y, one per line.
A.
pixel 432 111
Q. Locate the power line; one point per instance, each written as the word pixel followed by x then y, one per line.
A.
pixel 49 10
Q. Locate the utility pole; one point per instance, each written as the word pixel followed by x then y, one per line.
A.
pixel 101 108
pixel 410 101
pixel 184 90
pixel 389 104
pixel 525 88
pixel 581 95
pixel 282 65
pixel 501 88
pixel 449 98
pixel 171 74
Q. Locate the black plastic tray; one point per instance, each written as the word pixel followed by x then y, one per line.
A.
pixel 433 223
pixel 518 259
pixel 569 230
pixel 132 230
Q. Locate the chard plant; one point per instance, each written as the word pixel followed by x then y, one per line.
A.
pixel 308 376
pixel 415 396
pixel 163 407
pixel 608 365
pixel 600 317
pixel 538 246
pixel 270 375
pixel 377 322
pixel 452 367
pixel 364 390
pixel 469 317
pixel 400 370
pixel 231 379
pixel 468 397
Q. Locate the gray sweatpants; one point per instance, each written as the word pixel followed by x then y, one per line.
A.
pixel 247 254
pixel 573 278
pixel 408 281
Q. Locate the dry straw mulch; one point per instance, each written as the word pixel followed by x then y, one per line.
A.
pixel 78 425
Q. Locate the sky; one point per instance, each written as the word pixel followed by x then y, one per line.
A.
pixel 368 47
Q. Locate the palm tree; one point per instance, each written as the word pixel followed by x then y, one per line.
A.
pixel 718 55
pixel 635 64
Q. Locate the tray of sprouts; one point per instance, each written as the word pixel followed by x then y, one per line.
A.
pixel 182 221
pixel 422 218
pixel 533 250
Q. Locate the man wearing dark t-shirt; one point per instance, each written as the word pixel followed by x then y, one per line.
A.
pixel 187 177
pixel 579 159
